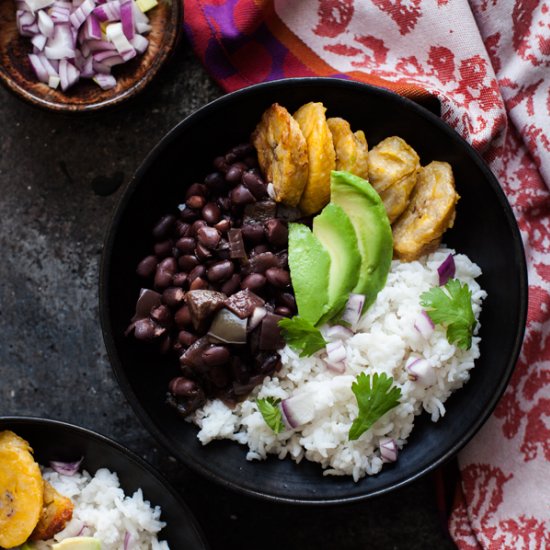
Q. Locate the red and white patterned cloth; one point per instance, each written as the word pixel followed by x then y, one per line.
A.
pixel 488 63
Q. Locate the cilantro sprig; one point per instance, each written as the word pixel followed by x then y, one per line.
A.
pixel 302 336
pixel 269 407
pixel 451 306
pixel 375 397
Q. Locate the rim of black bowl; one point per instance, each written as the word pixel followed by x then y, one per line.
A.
pixel 171 136
pixel 130 455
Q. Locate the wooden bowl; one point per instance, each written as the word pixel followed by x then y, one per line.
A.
pixel 18 76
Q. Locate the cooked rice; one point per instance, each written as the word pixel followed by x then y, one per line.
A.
pixel 385 339
pixel 101 510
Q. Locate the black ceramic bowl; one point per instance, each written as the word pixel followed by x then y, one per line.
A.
pixel 485 230
pixel 53 440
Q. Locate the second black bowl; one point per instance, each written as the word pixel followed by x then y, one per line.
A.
pixel 485 230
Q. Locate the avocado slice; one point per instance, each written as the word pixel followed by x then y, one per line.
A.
pixel 309 266
pixel 366 211
pixel 78 543
pixel 336 233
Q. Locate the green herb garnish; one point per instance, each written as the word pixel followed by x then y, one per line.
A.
pixel 375 397
pixel 271 413
pixel 451 306
pixel 302 336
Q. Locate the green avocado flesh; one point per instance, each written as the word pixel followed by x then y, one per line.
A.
pixel 335 232
pixel 366 211
pixel 78 543
pixel 309 266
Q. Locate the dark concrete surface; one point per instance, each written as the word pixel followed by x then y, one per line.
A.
pixel 58 185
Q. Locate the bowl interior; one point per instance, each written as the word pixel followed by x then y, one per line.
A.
pixel 18 75
pixel 53 440
pixel 485 230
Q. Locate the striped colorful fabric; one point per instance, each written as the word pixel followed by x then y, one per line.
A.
pixel 488 64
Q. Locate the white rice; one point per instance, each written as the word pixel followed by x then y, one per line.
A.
pixel 384 340
pixel 102 510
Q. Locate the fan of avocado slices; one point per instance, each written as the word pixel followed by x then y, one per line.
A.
pixel 348 250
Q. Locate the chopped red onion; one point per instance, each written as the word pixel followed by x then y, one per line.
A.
pixel 45 24
pixel 54 81
pixel 388 449
pixel 39 41
pixel 338 332
pixel 353 309
pixel 110 11
pixel 446 270
pixel 55 32
pixel 256 318
pixel 78 17
pixel 140 43
pixel 419 370
pixel 424 325
pixel 39 69
pixel 35 5
pixel 298 409
pixel 336 352
pixel 338 366
pixel 127 18
pixel 66 468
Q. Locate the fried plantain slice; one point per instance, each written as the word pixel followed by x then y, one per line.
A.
pixel 57 510
pixel 21 490
pixel 282 154
pixel 352 153
pixel 321 155
pixel 393 171
pixel 431 211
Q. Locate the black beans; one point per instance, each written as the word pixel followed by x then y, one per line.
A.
pixel 220 271
pixel 232 285
pixel 197 271
pixel 215 182
pixel 182 317
pixel 235 172
pixel 240 195
pixel 196 189
pixel 164 226
pixel 182 387
pixel 195 201
pixel 253 233
pixel 215 355
pixel 147 266
pixel 186 244
pixel 173 296
pixel 188 262
pixel 254 281
pixel 255 184
pixel 211 213
pixel 276 233
pixel 208 237
pixel 278 277
pixel 194 254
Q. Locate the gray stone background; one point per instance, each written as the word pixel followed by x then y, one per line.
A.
pixel 60 178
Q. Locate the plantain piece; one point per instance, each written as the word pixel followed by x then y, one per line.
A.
pixel 57 510
pixel 352 153
pixel 393 170
pixel 282 154
pixel 322 158
pixel 21 490
pixel 431 211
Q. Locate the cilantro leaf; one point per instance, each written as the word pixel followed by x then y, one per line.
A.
pixel 451 306
pixel 375 397
pixel 302 336
pixel 271 413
